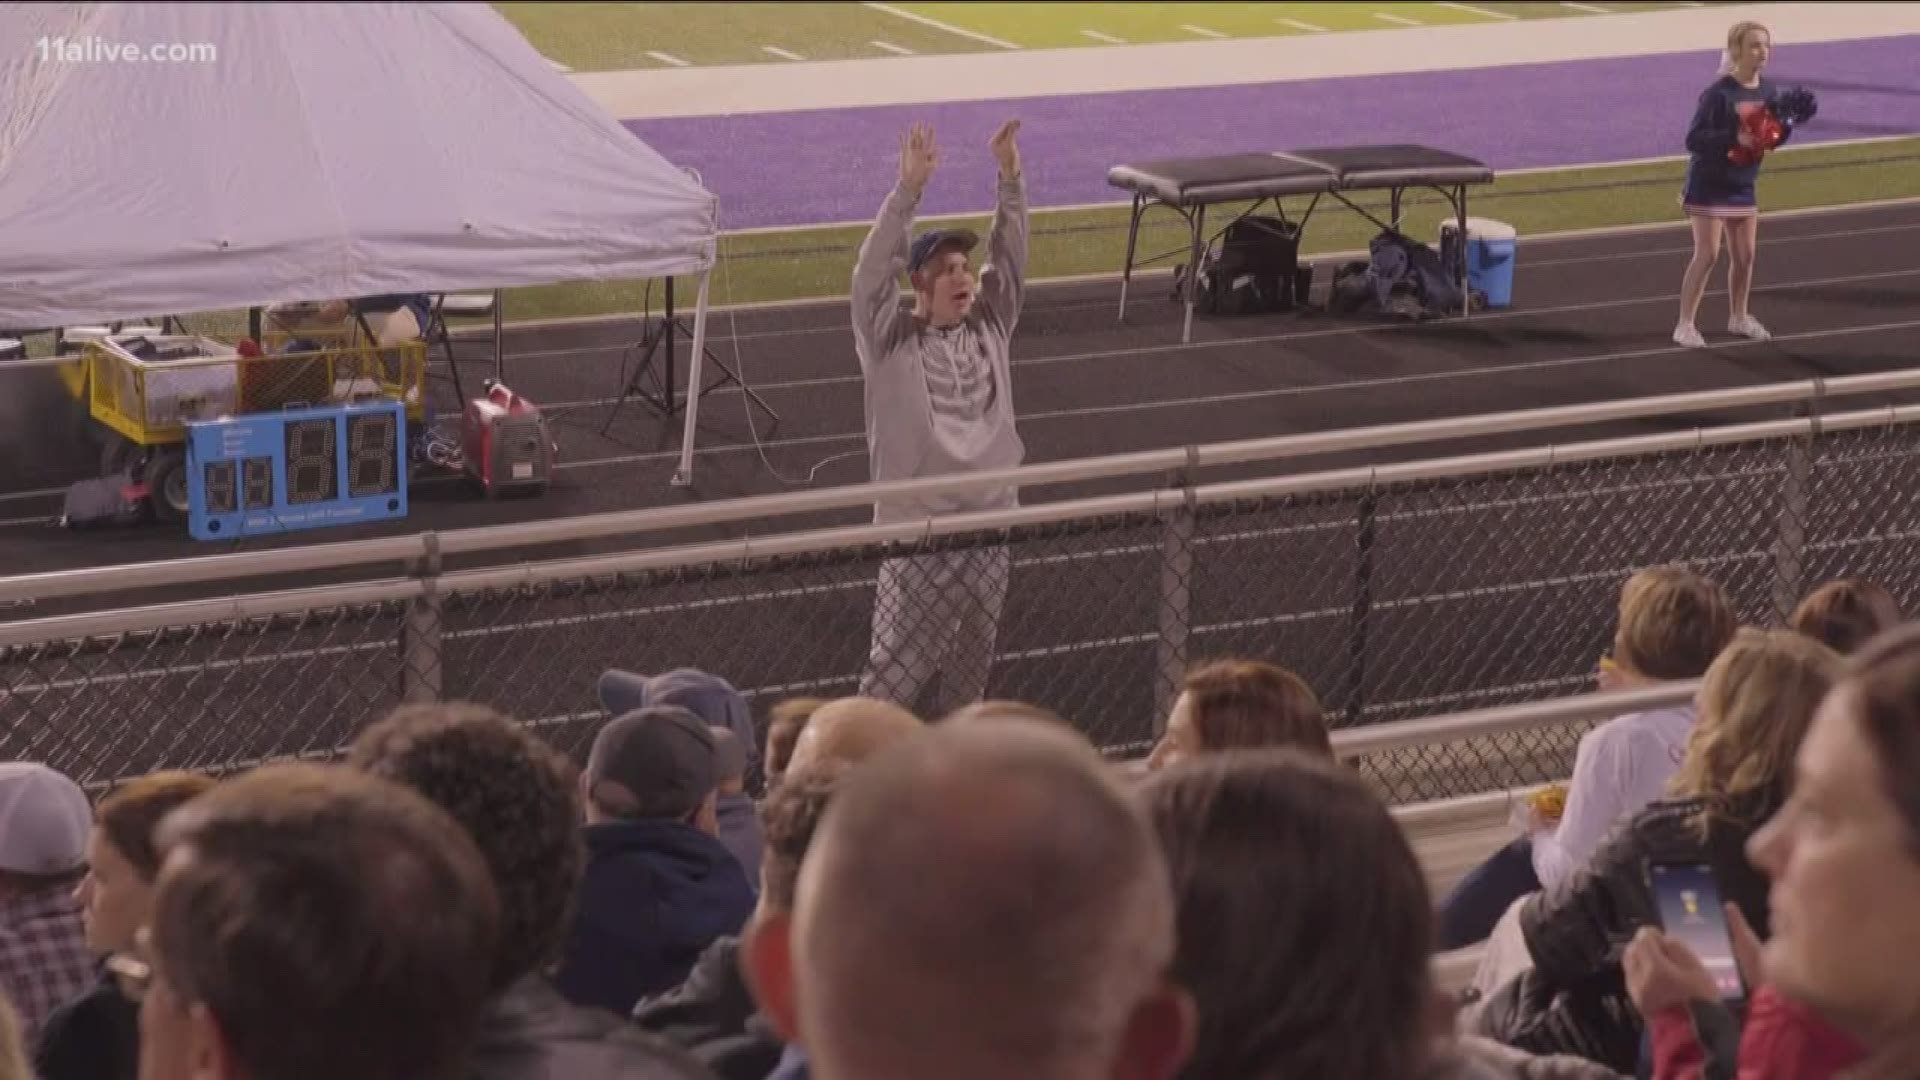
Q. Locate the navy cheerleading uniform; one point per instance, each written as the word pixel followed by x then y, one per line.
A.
pixel 1715 186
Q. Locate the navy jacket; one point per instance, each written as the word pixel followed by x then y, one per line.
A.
pixel 655 894
pixel 1711 178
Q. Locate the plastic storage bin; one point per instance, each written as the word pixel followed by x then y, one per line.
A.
pixel 1490 252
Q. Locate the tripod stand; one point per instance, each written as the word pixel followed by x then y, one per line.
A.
pixel 665 401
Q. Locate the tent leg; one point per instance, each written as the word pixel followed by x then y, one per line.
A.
pixel 499 353
pixel 683 476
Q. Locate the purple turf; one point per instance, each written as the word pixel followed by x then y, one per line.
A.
pixel 776 169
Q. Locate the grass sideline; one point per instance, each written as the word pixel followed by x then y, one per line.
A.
pixel 816 264
pixel 804 264
pixel 617 37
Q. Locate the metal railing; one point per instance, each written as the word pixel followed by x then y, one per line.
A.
pixel 1183 464
pixel 1399 591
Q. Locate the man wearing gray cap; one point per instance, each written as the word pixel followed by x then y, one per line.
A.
pixel 709 697
pixel 939 401
pixel 44 823
pixel 659 886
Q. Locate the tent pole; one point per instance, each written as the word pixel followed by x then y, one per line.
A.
pixel 683 476
pixel 499 356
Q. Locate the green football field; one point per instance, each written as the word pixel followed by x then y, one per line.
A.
pixel 612 37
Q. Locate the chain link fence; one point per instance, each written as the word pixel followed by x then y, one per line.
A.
pixel 1394 599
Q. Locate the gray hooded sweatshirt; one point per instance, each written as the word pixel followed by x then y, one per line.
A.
pixel 939 402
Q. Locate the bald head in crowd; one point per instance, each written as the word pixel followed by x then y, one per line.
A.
pixel 984 900
pixel 850 730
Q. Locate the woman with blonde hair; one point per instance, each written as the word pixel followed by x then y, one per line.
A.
pixel 1755 705
pixel 1719 198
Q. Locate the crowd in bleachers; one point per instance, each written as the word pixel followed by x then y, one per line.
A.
pixel 858 893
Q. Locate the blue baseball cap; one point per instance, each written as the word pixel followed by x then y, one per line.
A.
pixel 933 239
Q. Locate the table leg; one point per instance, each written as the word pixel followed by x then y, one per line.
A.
pixel 1193 269
pixel 1133 238
pixel 1460 263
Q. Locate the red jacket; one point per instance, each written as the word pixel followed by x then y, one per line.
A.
pixel 1782 1041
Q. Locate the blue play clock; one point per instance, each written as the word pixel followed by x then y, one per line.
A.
pixel 305 468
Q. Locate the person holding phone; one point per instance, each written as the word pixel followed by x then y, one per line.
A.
pixel 1754 706
pixel 1843 857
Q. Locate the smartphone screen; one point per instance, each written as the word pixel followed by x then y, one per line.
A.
pixel 1688 900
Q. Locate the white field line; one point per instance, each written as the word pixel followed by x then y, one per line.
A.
pixel 1485 13
pixel 938 25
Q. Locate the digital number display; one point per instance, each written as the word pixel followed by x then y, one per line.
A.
pixel 312 473
pixel 258 473
pixel 372 442
pixel 223 487
pixel 307 468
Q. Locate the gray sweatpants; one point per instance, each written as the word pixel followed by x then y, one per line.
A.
pixel 936 614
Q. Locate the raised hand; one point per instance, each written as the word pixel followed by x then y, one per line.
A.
pixel 1005 150
pixel 918 156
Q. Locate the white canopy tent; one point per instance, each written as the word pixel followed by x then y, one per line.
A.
pixel 178 158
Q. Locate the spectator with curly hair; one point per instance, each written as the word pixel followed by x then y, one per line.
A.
pixel 96 1036
pixel 514 795
pixel 785 722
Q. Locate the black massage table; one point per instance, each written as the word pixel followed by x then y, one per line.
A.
pixel 1189 185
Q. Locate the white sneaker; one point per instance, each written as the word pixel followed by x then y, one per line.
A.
pixel 1749 327
pixel 1687 336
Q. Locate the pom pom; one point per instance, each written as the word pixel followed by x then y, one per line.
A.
pixel 1795 106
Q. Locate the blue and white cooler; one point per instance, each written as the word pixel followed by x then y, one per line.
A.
pixel 1490 250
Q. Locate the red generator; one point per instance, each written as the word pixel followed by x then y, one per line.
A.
pixel 506 443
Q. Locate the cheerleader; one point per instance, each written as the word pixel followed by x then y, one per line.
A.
pixel 1719 193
